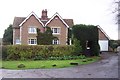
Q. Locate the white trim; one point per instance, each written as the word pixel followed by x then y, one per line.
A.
pixel 13 36
pixel 70 41
pixel 103 32
pixel 20 34
pixel 32 13
pixel 66 35
pixel 56 14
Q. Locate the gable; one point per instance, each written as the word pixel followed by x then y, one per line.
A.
pixel 56 15
pixel 32 21
pixel 31 14
pixel 102 34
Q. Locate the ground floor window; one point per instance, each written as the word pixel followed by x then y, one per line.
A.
pixel 17 41
pixel 32 42
pixel 56 41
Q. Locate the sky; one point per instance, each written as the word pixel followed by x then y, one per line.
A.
pixel 95 12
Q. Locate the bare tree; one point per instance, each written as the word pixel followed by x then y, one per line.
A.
pixel 116 11
pixel 118 19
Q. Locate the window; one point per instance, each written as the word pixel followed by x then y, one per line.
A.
pixel 17 41
pixel 32 42
pixel 32 30
pixel 56 30
pixel 56 41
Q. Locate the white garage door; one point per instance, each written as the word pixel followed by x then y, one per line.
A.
pixel 103 45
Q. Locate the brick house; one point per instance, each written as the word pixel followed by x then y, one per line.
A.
pixel 24 29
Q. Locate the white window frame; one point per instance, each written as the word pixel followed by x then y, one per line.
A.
pixel 32 30
pixel 56 32
pixel 34 41
pixel 56 41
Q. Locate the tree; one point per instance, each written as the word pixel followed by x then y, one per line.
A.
pixel 87 34
pixel 8 35
pixel 116 11
pixel 46 37
pixel 113 44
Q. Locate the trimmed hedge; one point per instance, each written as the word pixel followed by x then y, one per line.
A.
pixel 88 36
pixel 26 52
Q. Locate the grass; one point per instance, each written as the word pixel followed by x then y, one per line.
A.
pixel 46 63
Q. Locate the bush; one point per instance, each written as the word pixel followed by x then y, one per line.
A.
pixel 87 34
pixel 4 53
pixel 21 66
pixel 72 63
pixel 38 52
pixel 78 47
pixel 84 60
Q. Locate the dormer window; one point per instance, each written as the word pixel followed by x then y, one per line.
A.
pixel 32 30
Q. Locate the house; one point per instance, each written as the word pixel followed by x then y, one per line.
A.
pixel 24 28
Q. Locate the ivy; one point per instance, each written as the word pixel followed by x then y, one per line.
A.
pixel 46 37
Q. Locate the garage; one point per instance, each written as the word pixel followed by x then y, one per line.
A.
pixel 103 40
pixel 103 45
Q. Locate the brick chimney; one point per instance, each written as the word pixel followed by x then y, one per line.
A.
pixel 44 15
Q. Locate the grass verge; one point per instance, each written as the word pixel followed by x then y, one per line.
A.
pixel 47 63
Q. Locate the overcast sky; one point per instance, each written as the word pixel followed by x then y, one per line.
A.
pixel 95 12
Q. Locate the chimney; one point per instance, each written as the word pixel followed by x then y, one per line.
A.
pixel 44 15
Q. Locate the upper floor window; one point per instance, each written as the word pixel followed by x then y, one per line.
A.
pixel 32 30
pixel 56 30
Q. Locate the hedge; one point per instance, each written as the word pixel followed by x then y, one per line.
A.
pixel 87 33
pixel 27 52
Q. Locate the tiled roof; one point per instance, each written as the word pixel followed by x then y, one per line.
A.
pixel 18 20
pixel 69 22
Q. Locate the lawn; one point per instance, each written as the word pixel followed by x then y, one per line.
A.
pixel 47 63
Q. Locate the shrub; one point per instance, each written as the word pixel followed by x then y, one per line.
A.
pixel 4 53
pixel 89 59
pixel 73 63
pixel 78 47
pixel 84 60
pixel 21 66
pixel 54 65
pixel 87 33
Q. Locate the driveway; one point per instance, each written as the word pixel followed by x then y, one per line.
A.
pixel 105 68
